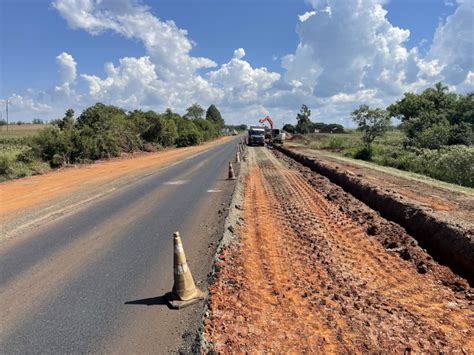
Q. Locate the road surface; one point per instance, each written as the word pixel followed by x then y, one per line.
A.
pixel 92 281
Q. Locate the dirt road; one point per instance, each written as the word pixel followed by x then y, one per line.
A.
pixel 93 280
pixel 312 269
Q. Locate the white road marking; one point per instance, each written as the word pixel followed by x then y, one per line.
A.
pixel 176 182
pixel 214 190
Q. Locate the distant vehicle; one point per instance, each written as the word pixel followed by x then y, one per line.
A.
pixel 256 136
pixel 278 135
pixel 272 134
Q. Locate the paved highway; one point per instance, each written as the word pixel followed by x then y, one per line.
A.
pixel 92 281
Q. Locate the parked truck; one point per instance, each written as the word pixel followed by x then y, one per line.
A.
pixel 256 136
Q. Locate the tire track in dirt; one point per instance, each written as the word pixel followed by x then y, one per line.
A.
pixel 306 277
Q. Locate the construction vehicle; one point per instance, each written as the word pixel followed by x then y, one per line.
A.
pixel 256 135
pixel 272 134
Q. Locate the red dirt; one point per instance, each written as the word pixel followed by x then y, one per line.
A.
pixel 452 205
pixel 306 273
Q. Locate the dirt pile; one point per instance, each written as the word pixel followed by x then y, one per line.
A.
pixel 315 271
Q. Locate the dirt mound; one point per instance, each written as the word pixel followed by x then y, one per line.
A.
pixel 296 137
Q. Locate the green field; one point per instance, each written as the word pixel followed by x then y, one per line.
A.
pixel 12 144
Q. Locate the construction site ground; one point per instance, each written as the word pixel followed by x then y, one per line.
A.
pixel 449 202
pixel 311 268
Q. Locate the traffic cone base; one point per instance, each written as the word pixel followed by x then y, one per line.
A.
pixel 176 303
pixel 185 292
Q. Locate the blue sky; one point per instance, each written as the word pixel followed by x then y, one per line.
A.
pixel 305 61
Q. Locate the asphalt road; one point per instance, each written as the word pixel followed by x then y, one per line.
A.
pixel 92 281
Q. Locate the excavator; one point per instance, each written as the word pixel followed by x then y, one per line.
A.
pixel 273 135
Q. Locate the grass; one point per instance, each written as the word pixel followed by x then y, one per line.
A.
pixel 398 172
pixel 451 164
pixel 12 144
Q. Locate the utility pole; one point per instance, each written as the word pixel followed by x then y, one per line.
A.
pixel 6 101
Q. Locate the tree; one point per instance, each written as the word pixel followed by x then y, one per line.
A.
pixel 67 122
pixel 213 115
pixel 372 122
pixel 37 121
pixel 304 123
pixel 194 112
pixel 289 128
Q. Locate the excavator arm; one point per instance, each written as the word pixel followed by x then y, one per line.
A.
pixel 267 119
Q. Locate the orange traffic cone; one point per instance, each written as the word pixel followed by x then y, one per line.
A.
pixel 231 172
pixel 185 292
pixel 237 157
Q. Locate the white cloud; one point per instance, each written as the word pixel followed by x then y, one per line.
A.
pixel 348 46
pixel 348 54
pixel 306 15
pixel 240 82
pixel 67 72
pixel 27 103
pixel 167 45
pixel 452 45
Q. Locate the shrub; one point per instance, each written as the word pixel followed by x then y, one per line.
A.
pixel 365 153
pixel 460 134
pixel 336 143
pixel 5 166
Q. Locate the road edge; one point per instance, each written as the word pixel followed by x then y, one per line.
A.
pixel 233 221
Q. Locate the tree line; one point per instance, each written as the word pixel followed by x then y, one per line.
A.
pixel 105 131
pixel 431 120
pixel 304 124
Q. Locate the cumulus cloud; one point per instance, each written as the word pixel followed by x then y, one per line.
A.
pixel 348 53
pixel 167 45
pixel 240 82
pixel 452 46
pixel 27 103
pixel 349 46
pixel 67 72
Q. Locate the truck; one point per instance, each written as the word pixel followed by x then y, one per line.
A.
pixel 278 136
pixel 256 136
pixel 273 135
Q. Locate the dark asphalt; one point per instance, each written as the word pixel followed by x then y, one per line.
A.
pixel 92 281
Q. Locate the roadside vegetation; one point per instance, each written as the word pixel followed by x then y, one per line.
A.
pixel 434 138
pixel 102 132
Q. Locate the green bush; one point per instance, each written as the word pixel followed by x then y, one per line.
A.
pixel 364 153
pixel 5 166
pixel 336 143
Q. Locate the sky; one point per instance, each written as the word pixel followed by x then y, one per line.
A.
pixel 250 58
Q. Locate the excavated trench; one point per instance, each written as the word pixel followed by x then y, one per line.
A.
pixel 449 244
pixel 310 268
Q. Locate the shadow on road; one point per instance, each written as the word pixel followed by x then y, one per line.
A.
pixel 153 301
